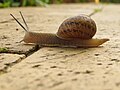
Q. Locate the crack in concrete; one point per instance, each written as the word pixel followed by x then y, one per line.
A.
pixel 36 48
pixel 26 53
pixel 7 65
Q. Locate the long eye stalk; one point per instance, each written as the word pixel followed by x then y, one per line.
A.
pixel 24 20
pixel 20 23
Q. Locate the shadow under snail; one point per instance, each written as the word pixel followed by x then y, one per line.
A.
pixel 76 31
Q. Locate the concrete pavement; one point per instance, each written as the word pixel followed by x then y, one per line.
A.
pixel 55 68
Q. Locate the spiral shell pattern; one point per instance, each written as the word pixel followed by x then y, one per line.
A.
pixel 82 27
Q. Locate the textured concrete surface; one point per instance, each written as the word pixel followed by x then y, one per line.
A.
pixel 39 20
pixel 53 68
pixel 7 60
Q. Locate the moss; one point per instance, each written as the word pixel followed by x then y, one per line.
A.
pixel 3 50
pixel 97 10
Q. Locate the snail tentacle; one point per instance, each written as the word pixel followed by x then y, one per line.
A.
pixel 24 21
pixel 19 22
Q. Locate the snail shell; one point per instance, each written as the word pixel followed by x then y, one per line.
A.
pixel 80 29
pixel 81 26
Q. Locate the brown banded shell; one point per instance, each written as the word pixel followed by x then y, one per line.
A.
pixel 81 26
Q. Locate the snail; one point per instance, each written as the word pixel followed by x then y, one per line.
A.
pixel 75 31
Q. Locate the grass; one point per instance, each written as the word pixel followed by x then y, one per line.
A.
pixel 97 10
pixel 17 3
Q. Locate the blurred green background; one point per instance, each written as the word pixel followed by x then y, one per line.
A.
pixel 19 3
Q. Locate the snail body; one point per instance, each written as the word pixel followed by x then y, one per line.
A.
pixel 48 39
pixel 75 31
